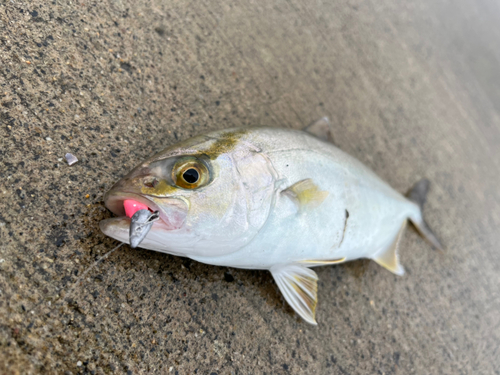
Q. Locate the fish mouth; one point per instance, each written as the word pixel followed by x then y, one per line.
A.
pixel 172 211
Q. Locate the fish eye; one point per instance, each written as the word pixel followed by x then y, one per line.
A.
pixel 190 173
pixel 191 176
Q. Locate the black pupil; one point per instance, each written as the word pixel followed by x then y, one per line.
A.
pixel 191 176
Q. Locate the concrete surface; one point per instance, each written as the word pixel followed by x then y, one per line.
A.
pixel 413 89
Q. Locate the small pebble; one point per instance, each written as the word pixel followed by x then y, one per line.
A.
pixel 79 363
pixel 70 158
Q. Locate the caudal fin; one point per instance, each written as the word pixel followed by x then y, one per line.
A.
pixel 418 194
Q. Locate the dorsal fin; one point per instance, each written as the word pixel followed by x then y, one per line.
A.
pixel 305 194
pixel 389 258
pixel 321 129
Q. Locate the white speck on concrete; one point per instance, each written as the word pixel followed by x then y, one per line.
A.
pixel 70 158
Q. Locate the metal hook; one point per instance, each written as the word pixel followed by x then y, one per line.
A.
pixel 140 224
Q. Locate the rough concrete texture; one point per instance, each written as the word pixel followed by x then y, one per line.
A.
pixel 413 91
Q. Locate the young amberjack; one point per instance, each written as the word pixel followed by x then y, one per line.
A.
pixel 263 198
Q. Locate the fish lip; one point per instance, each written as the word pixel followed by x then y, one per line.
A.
pixel 113 201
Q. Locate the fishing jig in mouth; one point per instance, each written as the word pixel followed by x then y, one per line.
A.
pixel 140 224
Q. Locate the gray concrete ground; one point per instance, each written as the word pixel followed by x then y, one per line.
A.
pixel 413 90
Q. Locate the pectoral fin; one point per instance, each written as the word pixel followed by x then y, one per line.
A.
pixel 299 287
pixel 305 194
pixel 321 129
pixel 389 258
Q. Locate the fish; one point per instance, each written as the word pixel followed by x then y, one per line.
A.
pixel 273 199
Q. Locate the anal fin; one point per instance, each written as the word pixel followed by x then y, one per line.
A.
pixel 299 287
pixel 389 258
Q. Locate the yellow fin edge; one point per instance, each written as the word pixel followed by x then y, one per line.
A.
pixel 389 258
pixel 322 262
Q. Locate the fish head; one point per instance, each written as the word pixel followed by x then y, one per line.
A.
pixel 213 194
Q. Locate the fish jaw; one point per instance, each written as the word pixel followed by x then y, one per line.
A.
pixel 157 238
pixel 117 228
pixel 173 213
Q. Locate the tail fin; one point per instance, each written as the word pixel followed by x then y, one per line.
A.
pixel 418 194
